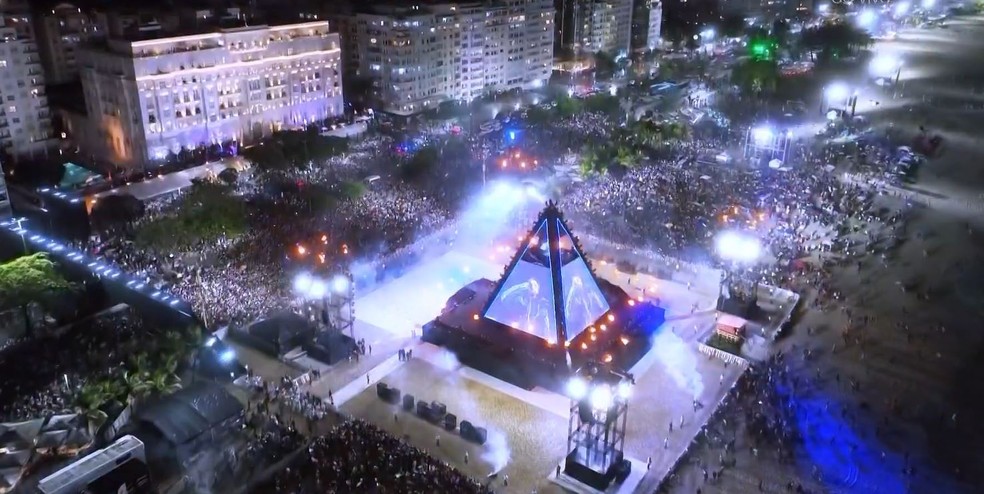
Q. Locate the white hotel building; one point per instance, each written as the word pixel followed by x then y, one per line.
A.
pixel 145 99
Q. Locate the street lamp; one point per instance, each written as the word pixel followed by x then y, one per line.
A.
pixel 840 93
pixel 886 66
pixel 867 18
pixel 901 9
pixel 21 231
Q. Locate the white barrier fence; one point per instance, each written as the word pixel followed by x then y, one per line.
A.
pixel 722 355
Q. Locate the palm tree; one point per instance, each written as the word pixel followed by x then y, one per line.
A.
pixel 89 403
pixel 627 156
pixel 137 384
pixel 163 382
pixel 590 162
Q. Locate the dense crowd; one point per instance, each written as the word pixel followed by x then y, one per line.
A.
pixel 41 374
pixel 359 457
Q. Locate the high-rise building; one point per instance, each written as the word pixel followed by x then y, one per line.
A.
pixel 148 98
pixel 590 26
pixel 647 21
pixel 25 120
pixel 415 57
pixel 60 32
pixel 5 209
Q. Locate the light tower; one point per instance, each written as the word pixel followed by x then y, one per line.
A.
pixel 596 427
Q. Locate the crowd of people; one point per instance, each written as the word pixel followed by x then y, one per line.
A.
pixel 359 457
pixel 43 373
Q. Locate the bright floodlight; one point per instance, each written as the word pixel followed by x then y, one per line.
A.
pixel 928 4
pixel 302 283
pixel 823 8
pixel 736 247
pixel 867 18
pixel 613 90
pixel 707 34
pixel 227 356
pixel 577 388
pixel 837 91
pixel 340 284
pixel 884 65
pixel 902 8
pixel 318 289
pixel 762 134
pixel 624 390
pixel 601 398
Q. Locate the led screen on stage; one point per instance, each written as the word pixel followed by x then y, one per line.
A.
pixel 525 299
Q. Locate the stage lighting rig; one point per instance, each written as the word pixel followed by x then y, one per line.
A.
pixel 596 427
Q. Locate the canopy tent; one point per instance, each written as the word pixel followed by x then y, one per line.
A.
pixel 277 334
pixel 74 177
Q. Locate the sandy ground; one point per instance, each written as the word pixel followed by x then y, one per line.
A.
pixel 918 392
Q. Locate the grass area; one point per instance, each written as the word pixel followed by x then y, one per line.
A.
pixel 724 344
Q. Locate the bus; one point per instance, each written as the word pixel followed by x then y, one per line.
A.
pixel 120 467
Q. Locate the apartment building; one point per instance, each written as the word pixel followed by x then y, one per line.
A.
pixel 25 120
pixel 147 98
pixel 590 26
pixel 60 32
pixel 647 22
pixel 417 56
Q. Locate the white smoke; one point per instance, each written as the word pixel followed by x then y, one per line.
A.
pixel 679 361
pixel 496 451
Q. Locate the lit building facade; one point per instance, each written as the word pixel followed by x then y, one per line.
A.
pixel 145 99
pixel 25 119
pixel 647 22
pixel 590 26
pixel 60 32
pixel 416 57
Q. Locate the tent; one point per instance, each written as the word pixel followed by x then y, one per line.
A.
pixel 275 335
pixel 75 176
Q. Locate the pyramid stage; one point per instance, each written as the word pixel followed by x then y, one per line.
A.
pixel 547 315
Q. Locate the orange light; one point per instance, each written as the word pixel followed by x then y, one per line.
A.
pixel 567 344
pixel 608 358
pixel 504 162
pixel 724 217
pixel 604 328
pixel 594 338
pixel 625 341
pixel 475 317
pixel 591 329
pixel 345 249
pixel 551 342
pixel 611 317
pixel 301 250
pixel 321 258
pixel 324 238
pixel 631 303
pixel 516 155
pixel 522 164
pixel 584 346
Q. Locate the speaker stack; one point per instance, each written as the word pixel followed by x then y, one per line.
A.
pixel 474 434
pixel 450 422
pixel 424 410
pixel 388 394
pixel 407 402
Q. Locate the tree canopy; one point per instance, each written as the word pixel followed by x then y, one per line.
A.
pixel 833 40
pixel 423 164
pixel 756 77
pixel 30 279
pixel 206 212
pixel 294 149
